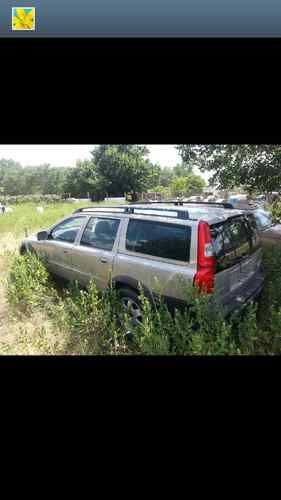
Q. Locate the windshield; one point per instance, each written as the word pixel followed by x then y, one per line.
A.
pixel 263 219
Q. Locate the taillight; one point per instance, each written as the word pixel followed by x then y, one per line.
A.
pixel 205 276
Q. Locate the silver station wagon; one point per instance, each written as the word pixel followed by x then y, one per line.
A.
pixel 159 246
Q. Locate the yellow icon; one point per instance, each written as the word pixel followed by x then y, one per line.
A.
pixel 23 18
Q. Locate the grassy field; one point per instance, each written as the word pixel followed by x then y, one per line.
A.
pixel 41 316
pixel 25 217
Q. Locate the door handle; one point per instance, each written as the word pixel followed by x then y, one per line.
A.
pixel 103 260
pixel 65 251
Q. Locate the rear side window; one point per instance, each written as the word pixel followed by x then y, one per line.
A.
pixel 232 241
pixel 169 241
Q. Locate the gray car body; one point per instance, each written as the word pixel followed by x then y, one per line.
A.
pixel 72 261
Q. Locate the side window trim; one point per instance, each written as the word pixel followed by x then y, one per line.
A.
pixel 81 231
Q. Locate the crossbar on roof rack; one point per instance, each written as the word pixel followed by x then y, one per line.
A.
pixel 181 214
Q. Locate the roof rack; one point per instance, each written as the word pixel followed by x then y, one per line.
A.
pixel 181 214
pixel 181 203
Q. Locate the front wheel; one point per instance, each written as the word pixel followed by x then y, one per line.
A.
pixel 23 250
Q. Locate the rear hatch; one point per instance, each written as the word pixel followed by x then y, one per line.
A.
pixel 237 250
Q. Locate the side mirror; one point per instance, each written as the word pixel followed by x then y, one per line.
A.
pixel 42 235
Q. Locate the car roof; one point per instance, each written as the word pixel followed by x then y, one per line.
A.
pixel 196 211
pixel 209 213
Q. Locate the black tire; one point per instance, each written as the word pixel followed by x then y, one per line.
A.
pixel 132 304
pixel 23 250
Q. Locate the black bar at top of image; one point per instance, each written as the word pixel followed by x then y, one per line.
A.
pixel 142 18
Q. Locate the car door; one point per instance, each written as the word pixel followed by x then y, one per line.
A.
pixel 57 249
pixel 93 255
pixel 157 254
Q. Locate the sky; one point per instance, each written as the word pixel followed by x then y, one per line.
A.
pixel 67 155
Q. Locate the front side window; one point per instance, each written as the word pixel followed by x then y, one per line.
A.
pixel 169 241
pixel 67 230
pixel 100 233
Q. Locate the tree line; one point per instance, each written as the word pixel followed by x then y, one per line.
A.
pixel 112 170
pixel 116 169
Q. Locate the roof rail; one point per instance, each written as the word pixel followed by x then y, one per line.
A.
pixel 181 214
pixel 151 202
pixel 181 203
pixel 96 209
pixel 213 203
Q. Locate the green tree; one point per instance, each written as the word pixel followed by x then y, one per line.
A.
pixel 166 176
pixel 178 186
pixel 182 169
pixel 254 167
pixel 124 168
pixel 83 179
pixel 41 179
pixel 186 186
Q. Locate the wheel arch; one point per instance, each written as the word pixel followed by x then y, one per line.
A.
pixel 133 284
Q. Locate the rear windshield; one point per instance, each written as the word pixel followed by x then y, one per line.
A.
pixel 234 240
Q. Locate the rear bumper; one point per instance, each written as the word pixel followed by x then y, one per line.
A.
pixel 232 303
pixel 248 292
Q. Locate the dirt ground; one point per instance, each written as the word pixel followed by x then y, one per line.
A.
pixel 8 328
pixel 29 335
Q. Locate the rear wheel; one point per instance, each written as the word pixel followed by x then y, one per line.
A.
pixel 132 305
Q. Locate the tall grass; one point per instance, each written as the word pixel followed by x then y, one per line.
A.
pixel 93 323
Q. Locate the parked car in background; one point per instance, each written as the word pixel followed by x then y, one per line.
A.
pixel 157 244
pixel 240 201
pixel 269 232
pixel 260 199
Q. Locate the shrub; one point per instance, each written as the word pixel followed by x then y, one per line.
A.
pixel 28 284
pixel 94 323
pixel 93 320
pixel 275 210
pixel 195 330
pixel 30 198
